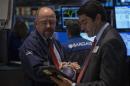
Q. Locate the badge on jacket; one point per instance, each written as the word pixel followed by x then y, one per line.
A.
pixel 28 52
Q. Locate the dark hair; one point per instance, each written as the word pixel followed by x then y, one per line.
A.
pixel 91 9
pixel 20 29
pixel 74 28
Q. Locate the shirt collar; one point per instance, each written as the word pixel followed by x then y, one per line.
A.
pixel 101 31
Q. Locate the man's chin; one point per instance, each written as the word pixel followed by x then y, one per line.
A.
pixel 90 35
pixel 48 35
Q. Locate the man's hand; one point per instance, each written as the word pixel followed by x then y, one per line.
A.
pixel 63 64
pixel 62 82
pixel 73 65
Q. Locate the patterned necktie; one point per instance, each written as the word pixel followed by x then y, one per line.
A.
pixel 54 54
pixel 87 60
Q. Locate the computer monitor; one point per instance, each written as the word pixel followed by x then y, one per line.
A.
pixel 125 1
pixel 126 38
pixel 69 15
pixel 122 18
pixel 58 18
pixel 107 3
pixel 122 2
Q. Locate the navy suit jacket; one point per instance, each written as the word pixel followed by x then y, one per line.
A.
pixel 107 66
pixel 35 55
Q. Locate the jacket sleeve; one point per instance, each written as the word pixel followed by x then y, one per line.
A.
pixel 113 66
pixel 33 64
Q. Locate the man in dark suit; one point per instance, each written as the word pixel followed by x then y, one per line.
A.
pixel 106 64
pixel 35 53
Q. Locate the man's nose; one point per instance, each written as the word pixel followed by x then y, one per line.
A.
pixel 48 25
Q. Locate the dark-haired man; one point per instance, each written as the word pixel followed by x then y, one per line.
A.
pixel 106 64
pixel 76 48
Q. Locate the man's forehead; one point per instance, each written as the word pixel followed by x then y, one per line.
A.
pixel 46 12
pixel 46 17
pixel 83 17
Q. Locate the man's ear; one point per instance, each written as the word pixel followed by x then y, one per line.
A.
pixel 98 18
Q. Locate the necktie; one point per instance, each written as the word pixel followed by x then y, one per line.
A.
pixel 54 54
pixel 87 60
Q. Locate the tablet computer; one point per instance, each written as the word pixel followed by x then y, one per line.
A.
pixel 52 71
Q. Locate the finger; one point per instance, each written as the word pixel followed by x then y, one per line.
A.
pixel 66 81
pixel 61 77
pixel 64 63
pixel 55 80
pixel 60 66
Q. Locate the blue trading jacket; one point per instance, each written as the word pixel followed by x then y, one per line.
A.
pixel 76 49
pixel 34 54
